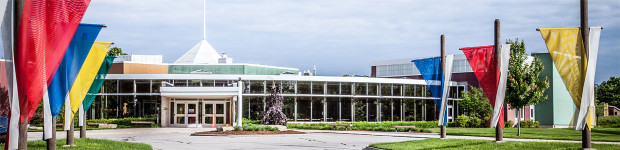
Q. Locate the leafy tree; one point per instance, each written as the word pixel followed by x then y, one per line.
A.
pixel 274 114
pixel 523 85
pixel 609 91
pixel 115 51
pixel 475 103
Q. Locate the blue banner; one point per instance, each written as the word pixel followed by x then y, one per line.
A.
pixel 72 61
pixel 432 72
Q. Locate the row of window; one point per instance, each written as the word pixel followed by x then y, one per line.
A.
pixel 288 87
pixel 319 109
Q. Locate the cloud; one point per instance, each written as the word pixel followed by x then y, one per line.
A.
pixel 343 37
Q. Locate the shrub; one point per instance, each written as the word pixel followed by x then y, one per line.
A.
pixel 529 124
pixel 508 124
pixel 608 122
pixel 462 121
pixel 237 128
pixel 125 122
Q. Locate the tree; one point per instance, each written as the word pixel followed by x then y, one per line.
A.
pixel 274 114
pixel 115 51
pixel 475 103
pixel 609 91
pixel 523 85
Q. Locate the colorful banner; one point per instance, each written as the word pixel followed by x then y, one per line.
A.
pixel 503 61
pixel 12 136
pixel 446 89
pixel 432 72
pixel 98 82
pixel 483 62
pixel 85 78
pixel 566 49
pixel 66 73
pixel 45 30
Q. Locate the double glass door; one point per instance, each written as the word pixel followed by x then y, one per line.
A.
pixel 203 113
pixel 186 112
pixel 214 113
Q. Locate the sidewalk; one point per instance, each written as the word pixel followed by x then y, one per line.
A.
pixel 436 135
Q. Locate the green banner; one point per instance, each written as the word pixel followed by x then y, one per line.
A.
pixel 98 82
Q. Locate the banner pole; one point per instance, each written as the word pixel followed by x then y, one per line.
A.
pixel 51 143
pixel 443 66
pixel 586 139
pixel 498 128
pixel 23 127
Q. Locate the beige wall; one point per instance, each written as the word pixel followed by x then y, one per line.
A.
pixel 135 68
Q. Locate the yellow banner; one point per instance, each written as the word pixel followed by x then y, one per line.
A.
pixel 87 74
pixel 566 48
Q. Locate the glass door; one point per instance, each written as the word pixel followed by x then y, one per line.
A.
pixel 186 112
pixel 214 113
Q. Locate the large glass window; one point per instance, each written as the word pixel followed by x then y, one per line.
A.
pixel 257 107
pixel 345 109
pixel 143 86
pixel 453 91
pixel 333 88
pixel 180 83
pixel 303 109
pixel 409 90
pixel 360 109
pixel 128 106
pixel 360 88
pixel 257 87
pixel 397 109
pixel 420 90
pixel 289 107
pixel 288 87
pixel 373 89
pixel 271 84
pixel 373 105
pixel 246 107
pixel 346 88
pixel 222 83
pixel 397 90
pixel 156 85
pixel 420 109
pixel 110 86
pixel 317 109
pixel 194 83
pixel 126 86
pixel 318 88
pixel 333 109
pixel 410 110
pixel 209 83
pixel 386 109
pixel 386 89
pixel 431 109
pixel 303 87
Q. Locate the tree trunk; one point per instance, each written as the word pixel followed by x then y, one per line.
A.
pixel 519 122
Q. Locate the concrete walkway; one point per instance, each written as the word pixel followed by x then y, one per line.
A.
pixel 179 138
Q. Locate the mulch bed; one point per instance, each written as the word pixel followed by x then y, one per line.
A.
pixel 215 133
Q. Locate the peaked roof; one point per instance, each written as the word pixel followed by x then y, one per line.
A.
pixel 201 53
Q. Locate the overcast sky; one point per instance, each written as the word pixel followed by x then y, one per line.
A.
pixel 343 36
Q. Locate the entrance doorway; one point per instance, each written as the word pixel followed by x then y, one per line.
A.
pixel 214 113
pixel 186 112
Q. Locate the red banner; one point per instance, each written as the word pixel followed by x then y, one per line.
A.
pixel 45 31
pixel 483 62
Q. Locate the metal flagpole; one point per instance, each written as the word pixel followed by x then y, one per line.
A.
pixel 23 127
pixel 498 128
pixel 443 66
pixel 586 138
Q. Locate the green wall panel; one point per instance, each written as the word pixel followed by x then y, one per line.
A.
pixel 229 69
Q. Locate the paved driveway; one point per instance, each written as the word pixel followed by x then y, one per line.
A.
pixel 180 139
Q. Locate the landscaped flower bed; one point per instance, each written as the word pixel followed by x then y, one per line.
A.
pixel 421 126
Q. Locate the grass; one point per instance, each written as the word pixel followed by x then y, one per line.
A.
pixel 90 144
pixel 598 134
pixel 483 144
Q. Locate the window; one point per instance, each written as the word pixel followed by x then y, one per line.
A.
pixel 360 89
pixel 333 88
pixel 257 87
pixel 110 86
pixel 180 83
pixel 303 87
pixel 318 88
pixel 397 109
pixel 270 84
pixel 360 109
pixel 288 87
pixel 289 107
pixel 194 83
pixel 210 83
pixel 345 109
pixel 373 105
pixel 373 89
pixel 156 85
pixel 397 90
pixel 333 109
pixel 386 110
pixel 397 70
pixel 257 107
pixel 410 90
pixel 531 112
pixel 317 109
pixel 386 89
pixel 126 86
pixel 143 86
pixel 346 88
pixel 303 108
pixel 222 83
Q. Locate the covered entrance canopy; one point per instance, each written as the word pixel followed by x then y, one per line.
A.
pixel 200 106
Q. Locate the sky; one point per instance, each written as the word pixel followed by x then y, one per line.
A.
pixel 343 36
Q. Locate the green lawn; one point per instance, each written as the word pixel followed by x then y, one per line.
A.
pixel 598 134
pixel 483 144
pixel 91 144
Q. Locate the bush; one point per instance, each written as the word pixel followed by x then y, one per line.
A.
pixel 608 122
pixel 237 128
pixel 469 122
pixel 508 124
pixel 529 124
pixel 250 122
pixel 125 122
